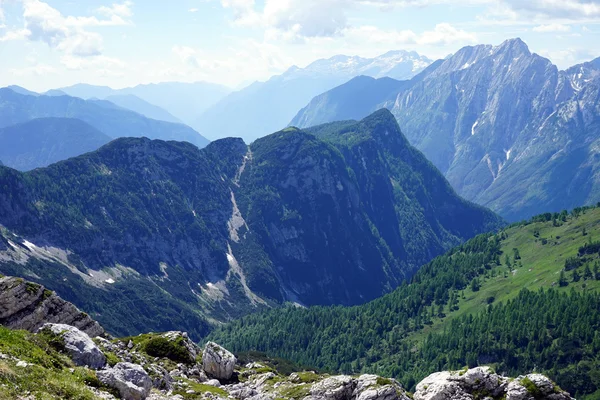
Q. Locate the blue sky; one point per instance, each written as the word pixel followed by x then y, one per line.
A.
pixel 53 43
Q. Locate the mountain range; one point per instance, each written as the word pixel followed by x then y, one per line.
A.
pixel 265 107
pixel 339 214
pixel 506 127
pixel 179 101
pixel 106 116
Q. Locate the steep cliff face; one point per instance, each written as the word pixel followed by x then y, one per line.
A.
pixel 312 218
pixel 504 125
pixel 27 305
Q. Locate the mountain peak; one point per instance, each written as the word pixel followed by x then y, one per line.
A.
pixel 516 45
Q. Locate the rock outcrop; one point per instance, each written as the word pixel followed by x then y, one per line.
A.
pixel 131 380
pixel 27 305
pixel 82 350
pixel 484 383
pixel 217 362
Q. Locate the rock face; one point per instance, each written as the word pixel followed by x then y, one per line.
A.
pixel 27 305
pixel 78 345
pixel 481 381
pixel 505 126
pixel 131 380
pixel 217 362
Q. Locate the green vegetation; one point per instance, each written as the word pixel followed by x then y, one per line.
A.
pixel 47 374
pixel 198 389
pixel 442 320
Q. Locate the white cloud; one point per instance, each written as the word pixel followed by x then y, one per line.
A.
pixel 101 65
pixel 187 55
pixel 552 28
pixel 442 34
pixel 568 57
pixel 38 69
pixel 17 34
pixel 122 10
pixel 68 33
pixel 193 10
pixel 571 9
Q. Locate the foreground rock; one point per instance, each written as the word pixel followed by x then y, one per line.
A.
pixel 131 380
pixel 82 350
pixel 27 305
pixel 366 387
pixel 217 362
pixel 483 382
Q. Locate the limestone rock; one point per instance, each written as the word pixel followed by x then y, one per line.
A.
pixel 131 380
pixel 463 385
pixel 78 344
pixel 27 305
pixel 217 362
pixel 338 387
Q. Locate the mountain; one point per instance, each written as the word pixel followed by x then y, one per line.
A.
pixel 134 103
pixel 44 141
pixel 185 101
pixel 22 90
pixel 506 127
pixel 338 215
pixel 264 107
pixel 524 298
pixel 353 100
pixel 106 117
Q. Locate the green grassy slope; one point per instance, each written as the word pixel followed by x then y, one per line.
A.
pixel 543 248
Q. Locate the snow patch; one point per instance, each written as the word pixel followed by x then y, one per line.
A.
pixel 473 127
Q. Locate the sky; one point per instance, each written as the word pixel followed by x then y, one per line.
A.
pixel 55 43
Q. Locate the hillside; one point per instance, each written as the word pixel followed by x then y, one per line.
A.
pixel 111 120
pixel 231 229
pixel 505 126
pixel 140 106
pixel 479 304
pixel 61 353
pixel 44 141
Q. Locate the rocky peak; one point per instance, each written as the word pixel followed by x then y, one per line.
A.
pixel 27 305
pixel 515 47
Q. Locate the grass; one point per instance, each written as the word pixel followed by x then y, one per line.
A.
pixel 543 249
pixel 199 390
pixel 53 375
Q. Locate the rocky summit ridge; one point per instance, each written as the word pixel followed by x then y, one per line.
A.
pixel 60 361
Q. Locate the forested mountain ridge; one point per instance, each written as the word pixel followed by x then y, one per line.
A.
pixel 44 141
pixel 524 298
pixel 232 228
pixel 106 117
pixel 505 126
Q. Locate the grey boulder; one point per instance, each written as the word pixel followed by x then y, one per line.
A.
pixel 217 362
pixel 131 380
pixel 82 350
